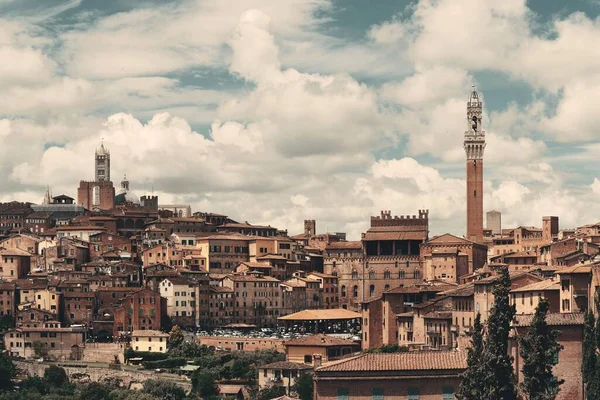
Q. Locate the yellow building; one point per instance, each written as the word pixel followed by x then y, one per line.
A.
pixel 47 300
pixel 148 340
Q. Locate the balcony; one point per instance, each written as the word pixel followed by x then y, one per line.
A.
pixel 454 328
pixel 408 329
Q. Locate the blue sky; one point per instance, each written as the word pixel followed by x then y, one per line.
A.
pixel 274 112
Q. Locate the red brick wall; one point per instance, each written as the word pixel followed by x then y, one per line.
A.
pixel 475 200
pixel 361 388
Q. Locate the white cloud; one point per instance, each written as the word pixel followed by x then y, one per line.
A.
pixel 386 33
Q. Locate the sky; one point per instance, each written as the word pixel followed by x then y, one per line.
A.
pixel 275 111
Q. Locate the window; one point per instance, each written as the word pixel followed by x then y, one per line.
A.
pixel 354 275
pixel 401 275
pixel 565 283
pixel 343 394
pixel 377 393
pixel 355 291
pixel 371 274
pixel 308 359
pixel 343 290
pixel 416 274
pixel 447 393
pixel 566 305
pixel 387 287
pixel 387 275
pixel 413 394
pixel 372 291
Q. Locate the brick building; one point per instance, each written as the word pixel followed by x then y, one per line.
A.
pixel 453 249
pixel 474 145
pixel 8 299
pixel 224 252
pixel 79 307
pixel 141 310
pixel 103 242
pixel 257 298
pixel 412 375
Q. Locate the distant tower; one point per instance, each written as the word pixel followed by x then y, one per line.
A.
pixel 494 222
pixel 474 145
pixel 102 169
pixel 310 227
pixel 47 196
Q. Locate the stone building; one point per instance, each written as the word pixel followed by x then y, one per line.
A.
pixel 257 298
pixel 180 294
pixel 61 343
pixel 423 375
pixel 141 310
pixel 474 145
pixel 447 254
pixel 493 222
pixel 388 257
pixel 100 193
pixel 14 264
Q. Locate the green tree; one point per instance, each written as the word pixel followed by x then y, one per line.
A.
pixel 39 349
pixel 55 376
pixel 203 383
pixel 588 364
pixel 6 323
pixel 95 391
pixel 8 371
pixel 175 337
pixel 33 383
pixel 539 348
pixel 164 390
pixel 498 374
pixel 304 386
pixel 271 392
pixel 471 385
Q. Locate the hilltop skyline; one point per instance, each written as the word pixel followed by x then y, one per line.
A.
pixel 313 110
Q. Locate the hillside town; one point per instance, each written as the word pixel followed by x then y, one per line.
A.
pixel 107 279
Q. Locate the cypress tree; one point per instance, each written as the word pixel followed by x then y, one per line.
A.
pixel 471 385
pixel 539 347
pixel 498 374
pixel 588 364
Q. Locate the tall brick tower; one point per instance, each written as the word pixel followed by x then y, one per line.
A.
pixel 474 146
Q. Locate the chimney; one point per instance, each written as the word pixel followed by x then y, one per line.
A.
pixel 317 360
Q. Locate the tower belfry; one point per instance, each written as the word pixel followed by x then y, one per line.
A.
pixel 102 165
pixel 474 144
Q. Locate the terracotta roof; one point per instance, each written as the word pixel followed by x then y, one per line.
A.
pixel 14 252
pixel 438 315
pixel 320 340
pixel 177 280
pixel 285 365
pixel 150 333
pixel 256 265
pixel 422 288
pixel 577 269
pixel 553 319
pixel 79 228
pixel 409 361
pixel 344 245
pixel 244 226
pixel 321 275
pixel 271 257
pixel 330 314
pixel 220 289
pixel 547 284
pixel 251 278
pixel 447 238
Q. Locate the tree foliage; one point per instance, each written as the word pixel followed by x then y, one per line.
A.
pixel 203 383
pixel 175 337
pixel 55 376
pixel 271 392
pixel 539 347
pixel 95 391
pixel 471 385
pixel 8 371
pixel 304 386
pixel 164 390
pixel 591 362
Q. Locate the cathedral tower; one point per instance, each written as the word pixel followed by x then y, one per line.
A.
pixel 474 145
pixel 102 169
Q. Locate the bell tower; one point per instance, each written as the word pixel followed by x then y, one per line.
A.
pixel 102 165
pixel 474 145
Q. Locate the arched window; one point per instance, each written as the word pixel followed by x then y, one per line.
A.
pixel 387 287
pixel 334 273
pixel 371 290
pixel 387 275
pixel 354 274
pixel 343 290
pixel 371 274
pixel 401 275
pixel 416 274
pixel 355 291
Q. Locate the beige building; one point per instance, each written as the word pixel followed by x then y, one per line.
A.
pixel 281 373
pixel 149 340
pixel 224 252
pixel 48 300
pixel 181 300
pixel 527 298
pixel 14 264
pixel 319 348
pixel 257 298
pixel 60 343
pixel 575 288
